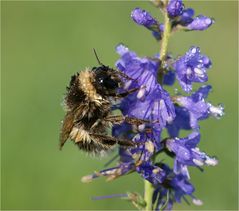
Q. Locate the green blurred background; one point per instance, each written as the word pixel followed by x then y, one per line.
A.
pixel 43 44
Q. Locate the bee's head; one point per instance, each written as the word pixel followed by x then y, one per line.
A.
pixel 106 81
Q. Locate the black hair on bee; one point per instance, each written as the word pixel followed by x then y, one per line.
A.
pixel 88 103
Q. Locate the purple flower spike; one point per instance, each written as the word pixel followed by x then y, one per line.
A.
pixel 200 23
pixel 175 8
pixel 192 67
pixel 142 17
pixel 141 105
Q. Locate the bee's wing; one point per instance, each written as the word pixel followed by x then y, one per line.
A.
pixel 67 126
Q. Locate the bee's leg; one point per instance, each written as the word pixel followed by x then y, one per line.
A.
pixel 118 119
pixel 96 123
pixel 110 140
pixel 124 94
pixel 130 91
pixel 123 75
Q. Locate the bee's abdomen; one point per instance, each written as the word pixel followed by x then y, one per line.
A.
pixel 95 147
pixel 88 143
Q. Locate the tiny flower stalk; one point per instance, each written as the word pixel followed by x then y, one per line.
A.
pixel 164 185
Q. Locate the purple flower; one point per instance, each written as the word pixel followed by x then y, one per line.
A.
pixel 142 70
pixel 173 189
pixel 181 122
pixel 181 186
pixel 150 172
pixel 152 102
pixel 142 17
pixel 186 17
pixel 125 155
pixel 175 8
pixel 187 153
pixel 111 173
pixel 146 149
pixel 197 106
pixel 156 107
pixel 200 23
pixel 192 67
pixel 149 142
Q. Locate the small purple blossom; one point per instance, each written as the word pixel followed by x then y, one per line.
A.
pixel 200 23
pixel 198 107
pixel 192 67
pixel 155 103
pixel 142 70
pixel 181 187
pixel 181 122
pixel 174 188
pixel 142 17
pixel 156 107
pixel 191 23
pixel 152 173
pixel 187 153
pixel 175 8
pixel 111 173
pixel 186 17
pixel 145 151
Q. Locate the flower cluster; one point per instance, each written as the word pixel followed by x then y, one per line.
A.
pixel 162 111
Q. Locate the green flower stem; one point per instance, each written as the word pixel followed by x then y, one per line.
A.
pixel 148 194
pixel 166 35
pixel 164 45
pixel 148 187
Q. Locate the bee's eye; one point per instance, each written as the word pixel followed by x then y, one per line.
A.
pixel 101 80
pixel 108 82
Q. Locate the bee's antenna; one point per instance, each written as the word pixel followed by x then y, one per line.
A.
pixel 97 57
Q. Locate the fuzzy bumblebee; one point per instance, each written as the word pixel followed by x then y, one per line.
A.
pixel 88 104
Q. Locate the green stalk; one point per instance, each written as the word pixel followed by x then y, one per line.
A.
pixel 164 44
pixel 148 187
pixel 166 35
pixel 148 194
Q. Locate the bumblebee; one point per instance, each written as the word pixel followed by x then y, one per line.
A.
pixel 88 103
